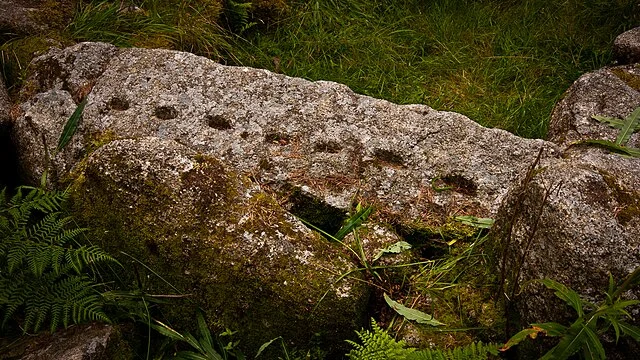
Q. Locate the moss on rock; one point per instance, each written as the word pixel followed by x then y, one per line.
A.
pixel 212 234
pixel 630 79
pixel 17 54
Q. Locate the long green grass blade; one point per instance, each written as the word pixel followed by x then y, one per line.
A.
pixel 611 146
pixel 630 330
pixel 71 126
pixel 551 328
pixel 412 314
pixel 266 345
pixel 353 222
pixel 481 223
pixel 592 348
pixel 630 124
pixel 519 337
pixel 570 344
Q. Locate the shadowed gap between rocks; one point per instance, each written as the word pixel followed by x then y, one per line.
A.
pixel 9 176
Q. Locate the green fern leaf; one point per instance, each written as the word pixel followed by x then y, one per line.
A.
pixel 41 272
pixel 378 345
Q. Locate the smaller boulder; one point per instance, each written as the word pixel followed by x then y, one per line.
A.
pixel 576 222
pixel 612 92
pixel 626 47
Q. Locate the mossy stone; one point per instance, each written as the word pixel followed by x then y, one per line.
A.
pixel 213 235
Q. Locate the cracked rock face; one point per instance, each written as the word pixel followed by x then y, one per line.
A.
pixel 287 133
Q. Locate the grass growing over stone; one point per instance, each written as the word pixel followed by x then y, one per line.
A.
pixel 502 63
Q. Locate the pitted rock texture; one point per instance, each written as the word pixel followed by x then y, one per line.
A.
pixel 285 132
pixel 215 235
pixel 612 92
pixel 575 222
pixel 626 47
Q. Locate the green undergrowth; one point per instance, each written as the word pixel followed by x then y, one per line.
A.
pixel 203 27
pixel 442 298
pixel 502 63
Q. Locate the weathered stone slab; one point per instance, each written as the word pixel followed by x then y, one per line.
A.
pixel 287 133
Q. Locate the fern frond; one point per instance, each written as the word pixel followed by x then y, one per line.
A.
pixel 66 236
pixel 38 257
pixel 50 224
pixel 16 255
pixel 473 351
pixel 41 273
pixel 378 345
pixel 92 255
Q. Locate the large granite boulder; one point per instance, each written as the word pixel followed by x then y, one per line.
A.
pixel 626 47
pixel 295 137
pixel 317 147
pixel 215 235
